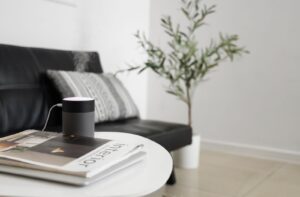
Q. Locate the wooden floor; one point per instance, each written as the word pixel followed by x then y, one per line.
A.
pixel 226 175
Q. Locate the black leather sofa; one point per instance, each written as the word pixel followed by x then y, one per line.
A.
pixel 26 95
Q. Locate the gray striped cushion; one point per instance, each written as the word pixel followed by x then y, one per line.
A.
pixel 112 100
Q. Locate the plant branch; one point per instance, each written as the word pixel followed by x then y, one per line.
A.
pixel 183 64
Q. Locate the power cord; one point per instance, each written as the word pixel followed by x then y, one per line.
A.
pixel 49 113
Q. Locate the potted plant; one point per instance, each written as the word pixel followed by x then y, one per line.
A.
pixel 183 63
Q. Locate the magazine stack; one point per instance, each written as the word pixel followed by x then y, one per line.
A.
pixel 73 160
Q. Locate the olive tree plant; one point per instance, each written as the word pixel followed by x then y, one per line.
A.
pixel 185 63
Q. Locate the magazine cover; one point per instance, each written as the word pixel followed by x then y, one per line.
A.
pixel 70 154
pixel 50 148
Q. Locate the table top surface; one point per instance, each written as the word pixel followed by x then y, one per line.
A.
pixel 138 180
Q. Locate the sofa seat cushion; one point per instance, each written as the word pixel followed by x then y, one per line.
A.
pixel 170 135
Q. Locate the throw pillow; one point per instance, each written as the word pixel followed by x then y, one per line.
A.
pixel 112 100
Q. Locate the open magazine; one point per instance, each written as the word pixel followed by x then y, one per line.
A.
pixel 74 160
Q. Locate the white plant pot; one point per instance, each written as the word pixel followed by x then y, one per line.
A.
pixel 188 156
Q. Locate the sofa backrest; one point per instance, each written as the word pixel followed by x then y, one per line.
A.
pixel 25 92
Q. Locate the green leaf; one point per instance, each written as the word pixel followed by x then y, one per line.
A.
pixel 186 13
pixel 172 92
pixel 142 70
pixel 189 4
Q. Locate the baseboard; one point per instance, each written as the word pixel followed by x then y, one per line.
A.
pixel 251 150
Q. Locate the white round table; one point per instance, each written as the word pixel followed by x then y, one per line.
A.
pixel 138 180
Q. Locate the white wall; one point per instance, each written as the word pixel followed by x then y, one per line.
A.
pixel 108 27
pixel 255 100
pixel 105 26
pixel 39 23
